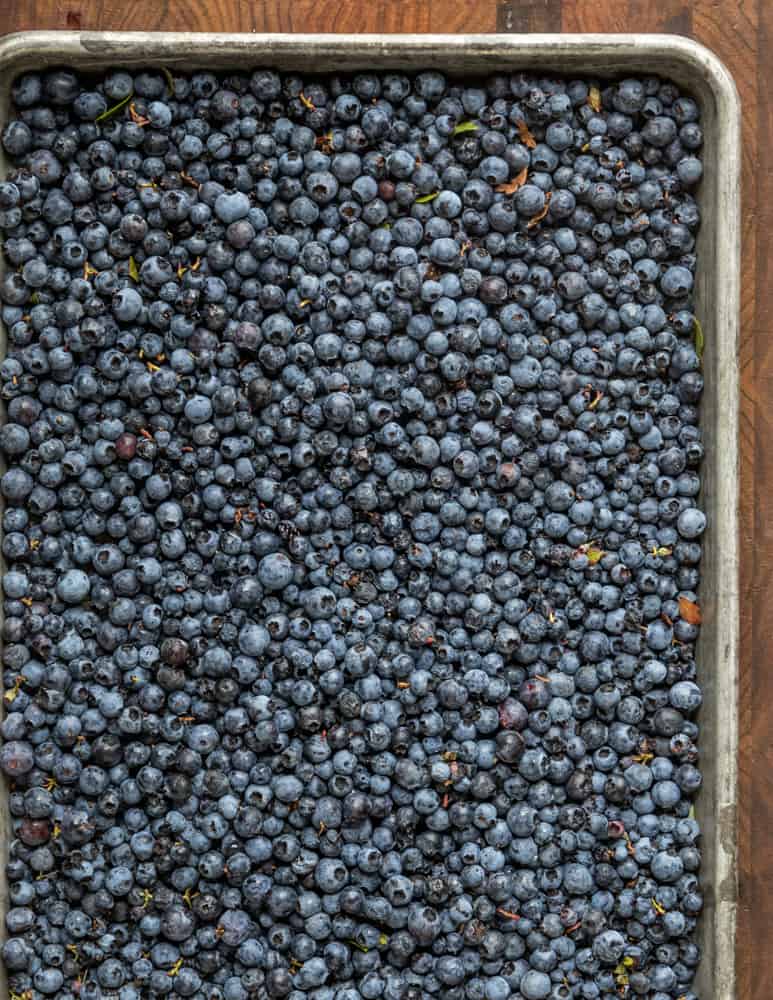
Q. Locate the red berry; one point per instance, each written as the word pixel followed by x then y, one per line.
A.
pixel 34 832
pixel 512 714
pixel 126 446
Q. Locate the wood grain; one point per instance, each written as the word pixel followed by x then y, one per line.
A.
pixel 741 33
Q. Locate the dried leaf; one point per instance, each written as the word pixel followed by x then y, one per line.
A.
pixel 595 555
pixel 661 550
pixel 115 108
pixel 525 135
pixel 598 396
pixel 427 197
pixel 690 611
pixel 542 212
pixel 517 182
pixel 306 102
pixel 134 273
pixel 137 118
pixel 169 80
pixel 463 127
pixel 699 339
pixel 594 99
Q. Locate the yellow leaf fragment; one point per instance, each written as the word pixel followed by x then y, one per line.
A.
pixel 699 339
pixel 136 117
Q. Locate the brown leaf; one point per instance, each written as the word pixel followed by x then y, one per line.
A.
pixel 526 137
pixel 136 117
pixel 512 186
pixel 690 611
pixel 542 212
pixel 594 99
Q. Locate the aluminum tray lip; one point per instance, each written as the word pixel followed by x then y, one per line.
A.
pixel 97 44
pixel 692 65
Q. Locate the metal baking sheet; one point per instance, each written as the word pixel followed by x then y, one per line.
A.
pixel 717 304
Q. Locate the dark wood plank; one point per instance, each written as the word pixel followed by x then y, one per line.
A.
pixel 531 16
pixel 741 32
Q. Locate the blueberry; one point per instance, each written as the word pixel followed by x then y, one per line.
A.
pixel 535 985
pixel 348 503
pixel 73 586
pixel 61 87
pixel 17 138
pixel 275 571
pixel 691 523
pixel 231 207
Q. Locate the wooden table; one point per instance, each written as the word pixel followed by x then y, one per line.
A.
pixel 741 33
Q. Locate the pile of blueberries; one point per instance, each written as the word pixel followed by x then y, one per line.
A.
pixel 352 537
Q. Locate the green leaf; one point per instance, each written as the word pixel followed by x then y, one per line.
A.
pixel 463 127
pixel 356 944
pixel 134 273
pixel 169 80
pixel 699 338
pixel 34 298
pixel 116 107
pixel 691 813
pixel 427 197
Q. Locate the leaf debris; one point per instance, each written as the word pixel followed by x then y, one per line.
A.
pixel 525 135
pixel 698 338
pixel 115 109
pixel 542 212
pixel 512 185
pixel 690 611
